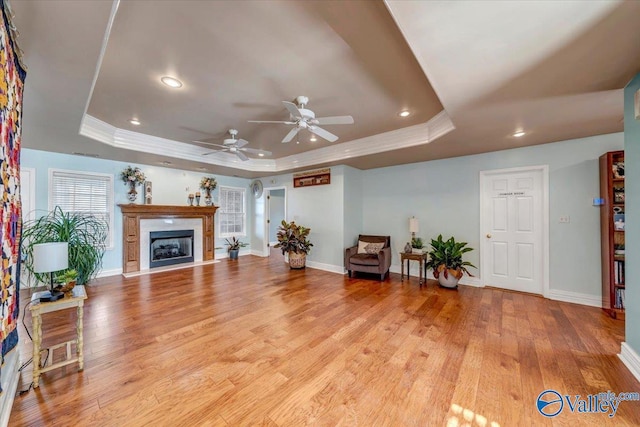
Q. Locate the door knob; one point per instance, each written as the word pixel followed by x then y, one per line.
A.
pixel 488 236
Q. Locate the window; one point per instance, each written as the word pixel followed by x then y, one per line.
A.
pixel 231 215
pixel 83 192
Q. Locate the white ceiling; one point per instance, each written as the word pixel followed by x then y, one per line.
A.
pixel 471 73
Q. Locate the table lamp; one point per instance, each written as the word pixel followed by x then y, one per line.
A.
pixel 413 227
pixel 48 258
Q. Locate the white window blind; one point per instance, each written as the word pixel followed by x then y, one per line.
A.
pixel 231 215
pixel 85 193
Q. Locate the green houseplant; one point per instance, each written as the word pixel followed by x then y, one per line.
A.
pixel 292 240
pixel 445 259
pixel 86 234
pixel 233 247
pixel 67 280
pixel 417 244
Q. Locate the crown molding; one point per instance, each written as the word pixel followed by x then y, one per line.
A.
pixel 411 136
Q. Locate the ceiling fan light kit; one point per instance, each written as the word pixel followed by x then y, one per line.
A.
pixel 303 118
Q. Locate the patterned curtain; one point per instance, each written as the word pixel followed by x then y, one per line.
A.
pixel 12 75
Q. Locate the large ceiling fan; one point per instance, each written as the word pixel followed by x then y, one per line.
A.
pixel 303 118
pixel 235 146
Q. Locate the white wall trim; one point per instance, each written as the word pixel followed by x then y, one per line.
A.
pixel 261 254
pixel 575 297
pixel 631 359
pixel 267 207
pixel 545 221
pixel 10 377
pixel 31 192
pixel 111 272
pixel 242 252
pixel 326 267
pixel 410 136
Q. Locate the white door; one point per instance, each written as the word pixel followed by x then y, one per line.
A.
pixel 514 224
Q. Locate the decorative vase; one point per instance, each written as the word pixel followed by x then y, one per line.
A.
pixel 233 253
pixel 297 261
pixel 207 198
pixel 417 250
pixel 197 200
pixel 407 248
pixel 132 195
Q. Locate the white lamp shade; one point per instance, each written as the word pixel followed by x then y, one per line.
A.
pixel 52 256
pixel 413 225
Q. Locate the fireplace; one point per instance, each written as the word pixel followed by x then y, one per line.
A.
pixel 170 247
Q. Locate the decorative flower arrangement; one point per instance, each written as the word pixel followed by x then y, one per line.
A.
pixel 132 176
pixel 208 183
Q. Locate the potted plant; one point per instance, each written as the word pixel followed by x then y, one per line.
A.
pixel 67 280
pixel 417 245
pixel 292 240
pixel 445 259
pixel 233 247
pixel 86 234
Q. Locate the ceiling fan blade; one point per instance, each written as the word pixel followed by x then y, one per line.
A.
pixel 323 133
pixel 210 143
pixel 256 151
pixel 272 121
pixel 293 109
pixel 293 132
pixel 242 156
pixel 241 143
pixel 335 120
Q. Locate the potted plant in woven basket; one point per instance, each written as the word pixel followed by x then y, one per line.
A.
pixel 292 240
pixel 445 258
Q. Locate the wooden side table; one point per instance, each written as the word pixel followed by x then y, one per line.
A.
pixel 38 308
pixel 421 258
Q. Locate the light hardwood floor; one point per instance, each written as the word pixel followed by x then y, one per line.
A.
pixel 250 342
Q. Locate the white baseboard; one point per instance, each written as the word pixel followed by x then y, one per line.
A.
pixel 631 359
pixel 242 252
pixel 111 272
pixel 326 267
pixel 465 280
pixel 575 297
pixel 10 377
pixel 260 253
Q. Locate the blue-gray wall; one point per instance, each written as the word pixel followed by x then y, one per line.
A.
pixel 444 196
pixel 169 188
pixel 632 214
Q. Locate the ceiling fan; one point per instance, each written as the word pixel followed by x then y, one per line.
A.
pixel 235 146
pixel 303 118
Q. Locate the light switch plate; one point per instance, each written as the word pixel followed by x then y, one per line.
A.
pixel 565 219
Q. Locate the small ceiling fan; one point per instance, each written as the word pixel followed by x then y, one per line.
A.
pixel 235 146
pixel 303 118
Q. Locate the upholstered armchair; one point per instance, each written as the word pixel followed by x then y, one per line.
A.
pixel 371 255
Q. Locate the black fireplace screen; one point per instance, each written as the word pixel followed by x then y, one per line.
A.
pixel 170 247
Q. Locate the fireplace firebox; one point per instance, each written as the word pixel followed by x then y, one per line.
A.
pixel 170 247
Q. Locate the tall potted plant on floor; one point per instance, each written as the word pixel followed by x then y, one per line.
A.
pixel 292 240
pixel 445 259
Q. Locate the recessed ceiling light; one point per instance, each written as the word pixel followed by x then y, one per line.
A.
pixel 519 133
pixel 202 168
pixel 135 122
pixel 166 163
pixel 313 138
pixel 297 142
pixel 261 154
pixel 171 82
pixel 404 113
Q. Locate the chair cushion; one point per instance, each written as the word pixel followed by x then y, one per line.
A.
pixel 364 259
pixel 362 246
